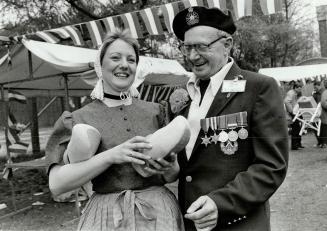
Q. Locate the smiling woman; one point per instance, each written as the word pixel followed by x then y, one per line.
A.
pixel 119 67
pixel 122 198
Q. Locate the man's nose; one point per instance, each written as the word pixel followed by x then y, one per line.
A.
pixel 193 55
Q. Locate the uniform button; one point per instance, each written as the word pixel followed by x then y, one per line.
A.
pixel 125 117
pixel 128 129
pixel 188 179
pixel 229 223
pixel 121 108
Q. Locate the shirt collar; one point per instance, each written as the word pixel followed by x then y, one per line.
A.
pixel 215 80
pixel 116 103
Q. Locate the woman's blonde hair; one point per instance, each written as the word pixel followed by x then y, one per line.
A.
pixel 124 35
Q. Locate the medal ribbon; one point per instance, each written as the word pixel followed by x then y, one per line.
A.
pixel 213 123
pixel 231 121
pixel 242 119
pixel 205 124
pixel 222 120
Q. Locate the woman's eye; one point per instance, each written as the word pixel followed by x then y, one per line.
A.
pixel 131 60
pixel 115 58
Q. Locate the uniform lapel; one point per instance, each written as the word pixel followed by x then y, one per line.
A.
pixel 219 103
pixel 222 99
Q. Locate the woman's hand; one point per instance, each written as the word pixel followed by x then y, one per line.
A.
pixel 168 167
pixel 127 152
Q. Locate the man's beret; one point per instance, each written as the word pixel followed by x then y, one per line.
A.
pixel 202 16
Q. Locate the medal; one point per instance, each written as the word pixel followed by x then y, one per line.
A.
pixel 232 124
pixel 213 125
pixel 242 118
pixel 205 127
pixel 229 148
pixel 243 133
pixel 223 136
pixel 232 135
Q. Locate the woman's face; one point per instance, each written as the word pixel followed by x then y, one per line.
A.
pixel 118 67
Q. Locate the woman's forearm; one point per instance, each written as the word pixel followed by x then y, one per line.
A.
pixel 64 178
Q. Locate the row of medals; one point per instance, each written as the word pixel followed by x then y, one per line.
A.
pixel 227 137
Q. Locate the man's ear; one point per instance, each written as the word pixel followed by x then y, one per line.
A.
pixel 229 43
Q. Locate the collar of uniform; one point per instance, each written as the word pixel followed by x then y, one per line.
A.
pixel 117 102
pixel 218 78
pixel 215 80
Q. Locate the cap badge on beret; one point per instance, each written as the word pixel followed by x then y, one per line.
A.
pixel 192 17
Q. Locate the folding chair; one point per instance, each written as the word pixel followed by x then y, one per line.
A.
pixel 309 117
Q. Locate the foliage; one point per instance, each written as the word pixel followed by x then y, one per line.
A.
pixel 22 16
pixel 281 39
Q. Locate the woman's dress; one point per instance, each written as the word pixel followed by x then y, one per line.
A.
pixel 123 199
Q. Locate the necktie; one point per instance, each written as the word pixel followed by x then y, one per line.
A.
pixel 203 84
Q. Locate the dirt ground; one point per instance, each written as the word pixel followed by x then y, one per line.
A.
pixel 299 204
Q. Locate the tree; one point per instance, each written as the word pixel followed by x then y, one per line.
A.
pixel 274 40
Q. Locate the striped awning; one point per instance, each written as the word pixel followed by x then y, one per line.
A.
pixel 150 21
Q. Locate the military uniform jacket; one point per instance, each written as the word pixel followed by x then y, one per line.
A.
pixel 241 183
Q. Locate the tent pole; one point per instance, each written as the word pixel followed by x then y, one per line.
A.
pixel 66 93
pixel 34 125
pixel 40 113
pixel 30 64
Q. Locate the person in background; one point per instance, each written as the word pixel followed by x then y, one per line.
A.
pixel 316 94
pixel 122 198
pixel 323 117
pixel 290 101
pixel 238 151
pixel 317 91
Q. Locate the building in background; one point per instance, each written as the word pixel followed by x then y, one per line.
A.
pixel 322 20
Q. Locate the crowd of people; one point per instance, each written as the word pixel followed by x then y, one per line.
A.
pixel 236 157
pixel 291 100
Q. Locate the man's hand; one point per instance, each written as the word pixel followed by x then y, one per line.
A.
pixel 168 167
pixel 204 213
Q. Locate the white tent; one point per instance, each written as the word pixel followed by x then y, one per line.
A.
pixel 296 72
pixel 70 59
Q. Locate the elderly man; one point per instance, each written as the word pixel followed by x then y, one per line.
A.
pixel 238 151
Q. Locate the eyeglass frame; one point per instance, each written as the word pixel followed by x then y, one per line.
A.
pixel 196 46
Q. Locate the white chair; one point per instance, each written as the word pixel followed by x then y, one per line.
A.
pixel 309 117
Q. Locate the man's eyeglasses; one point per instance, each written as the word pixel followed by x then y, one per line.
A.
pixel 199 47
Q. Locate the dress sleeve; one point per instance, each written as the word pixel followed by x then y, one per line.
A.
pixel 58 140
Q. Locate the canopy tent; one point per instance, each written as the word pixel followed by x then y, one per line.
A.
pixel 42 80
pixel 304 73
pixel 154 71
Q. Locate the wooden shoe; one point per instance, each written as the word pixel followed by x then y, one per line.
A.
pixel 83 144
pixel 171 138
